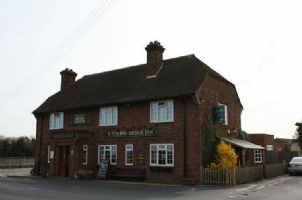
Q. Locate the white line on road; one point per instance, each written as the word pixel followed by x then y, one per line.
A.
pixel 243 189
pixel 260 187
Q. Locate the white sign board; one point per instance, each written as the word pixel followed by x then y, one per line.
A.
pixel 269 147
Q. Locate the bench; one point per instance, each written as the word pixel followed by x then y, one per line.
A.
pixel 130 173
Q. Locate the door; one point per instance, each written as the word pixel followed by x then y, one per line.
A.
pixel 63 161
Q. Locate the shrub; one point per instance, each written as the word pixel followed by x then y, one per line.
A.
pixel 225 157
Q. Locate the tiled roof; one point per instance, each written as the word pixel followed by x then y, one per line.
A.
pixel 178 77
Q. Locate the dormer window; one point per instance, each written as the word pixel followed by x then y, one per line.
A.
pixel 56 120
pixel 162 111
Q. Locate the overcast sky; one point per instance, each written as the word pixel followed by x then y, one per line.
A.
pixel 257 45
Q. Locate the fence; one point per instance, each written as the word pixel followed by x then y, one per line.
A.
pixel 248 174
pixel 210 176
pixel 274 157
pixel 16 162
pixel 235 176
pixel 275 170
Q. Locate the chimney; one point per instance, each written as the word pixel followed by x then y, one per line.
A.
pixel 67 78
pixel 154 58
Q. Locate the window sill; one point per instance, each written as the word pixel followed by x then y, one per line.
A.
pixel 53 129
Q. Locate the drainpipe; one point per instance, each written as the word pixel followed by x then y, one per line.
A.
pixel 40 150
pixel 185 136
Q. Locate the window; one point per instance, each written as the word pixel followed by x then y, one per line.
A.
pixel 56 120
pixel 85 154
pixel 161 111
pixel 48 154
pixel 258 156
pixel 108 116
pixel 129 154
pixel 108 152
pixel 162 155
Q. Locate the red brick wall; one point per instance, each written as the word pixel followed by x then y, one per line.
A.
pixel 215 90
pixel 278 145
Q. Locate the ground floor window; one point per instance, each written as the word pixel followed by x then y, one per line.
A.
pixel 48 154
pixel 129 154
pixel 108 152
pixel 258 156
pixel 162 154
pixel 85 154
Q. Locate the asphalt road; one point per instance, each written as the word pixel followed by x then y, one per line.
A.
pixel 280 188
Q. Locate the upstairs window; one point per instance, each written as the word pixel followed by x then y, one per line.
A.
pixel 56 120
pixel 162 111
pixel 108 116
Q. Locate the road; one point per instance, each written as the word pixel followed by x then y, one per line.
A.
pixel 11 188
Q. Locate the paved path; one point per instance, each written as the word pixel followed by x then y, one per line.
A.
pixel 15 172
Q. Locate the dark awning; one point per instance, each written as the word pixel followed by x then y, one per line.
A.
pixel 241 143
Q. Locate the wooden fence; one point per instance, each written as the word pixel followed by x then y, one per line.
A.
pixel 16 162
pixel 210 176
pixel 248 174
pixel 243 175
pixel 275 170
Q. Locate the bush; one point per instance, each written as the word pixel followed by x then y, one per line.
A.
pixel 225 157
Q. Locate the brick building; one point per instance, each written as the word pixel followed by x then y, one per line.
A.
pixel 268 142
pixel 147 116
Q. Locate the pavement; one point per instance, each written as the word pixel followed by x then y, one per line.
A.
pixel 25 173
pixel 17 172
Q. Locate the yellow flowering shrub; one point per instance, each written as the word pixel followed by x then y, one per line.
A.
pixel 225 157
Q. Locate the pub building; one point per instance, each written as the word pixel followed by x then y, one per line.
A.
pixel 144 120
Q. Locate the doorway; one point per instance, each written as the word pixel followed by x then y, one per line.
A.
pixel 63 161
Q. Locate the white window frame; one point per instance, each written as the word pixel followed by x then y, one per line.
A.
pixel 110 150
pixel 258 155
pixel 114 116
pixel 48 154
pixel 158 105
pixel 166 155
pixel 85 152
pixel 126 153
pixel 53 117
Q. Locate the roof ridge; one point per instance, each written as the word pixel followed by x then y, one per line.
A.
pixel 113 70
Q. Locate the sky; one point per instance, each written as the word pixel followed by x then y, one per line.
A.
pixel 256 45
